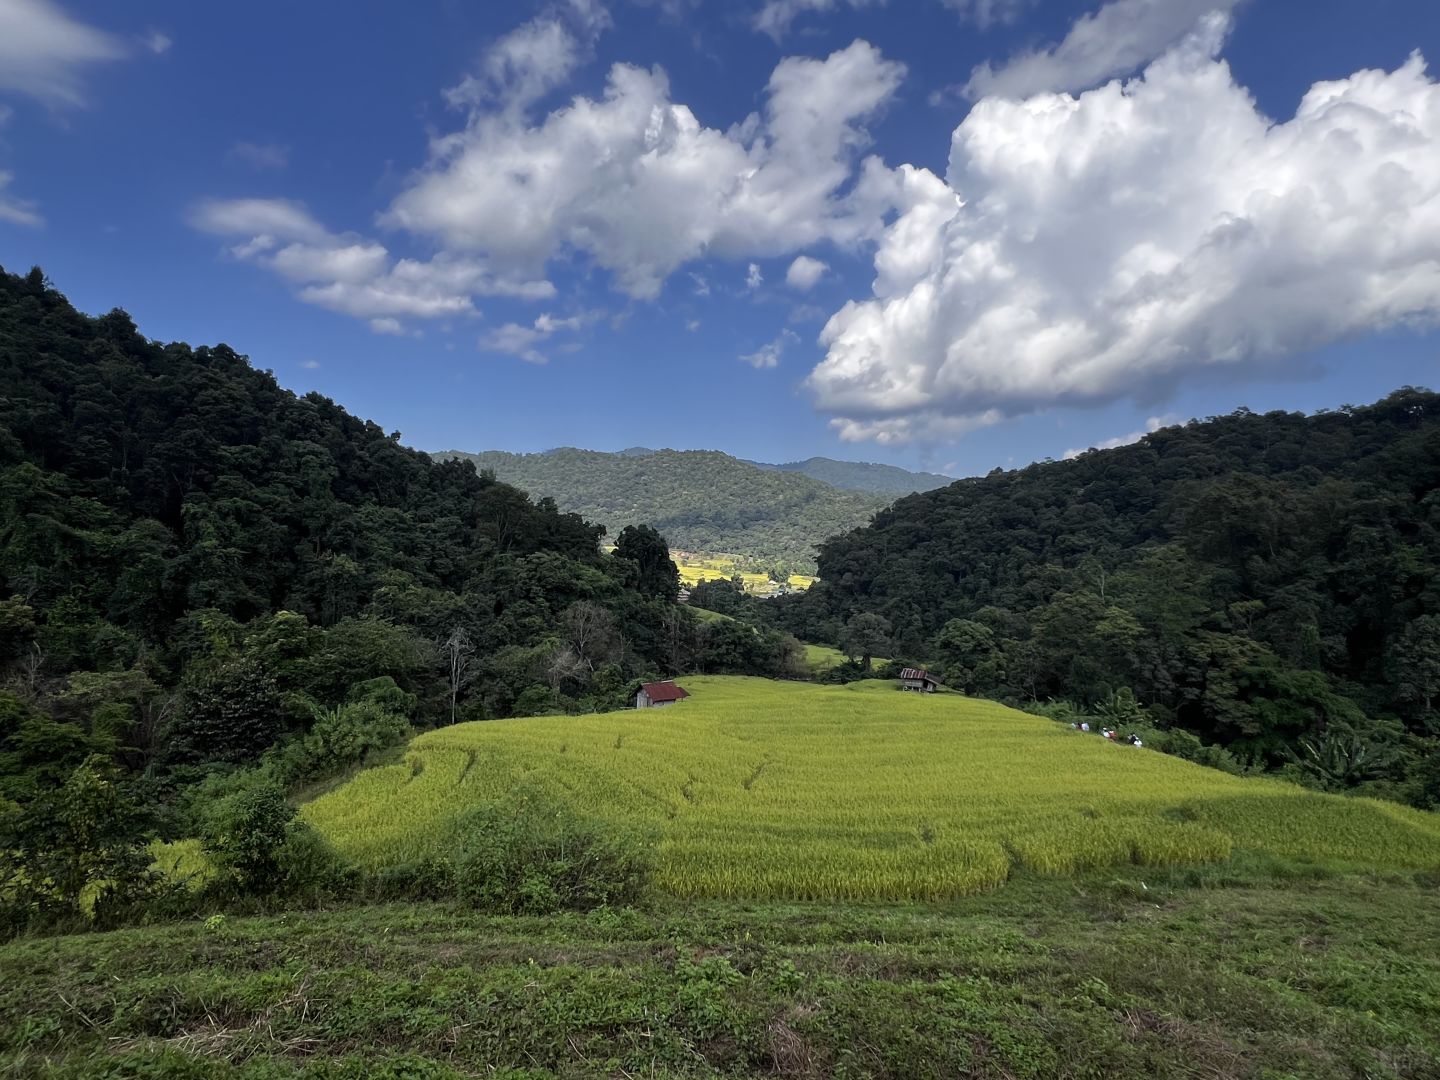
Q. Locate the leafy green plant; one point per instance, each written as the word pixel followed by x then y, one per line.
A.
pixel 533 854
pixel 260 848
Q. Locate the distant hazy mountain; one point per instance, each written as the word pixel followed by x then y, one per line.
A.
pixel 701 500
pixel 862 475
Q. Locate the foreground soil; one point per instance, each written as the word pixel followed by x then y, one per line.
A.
pixel 1255 968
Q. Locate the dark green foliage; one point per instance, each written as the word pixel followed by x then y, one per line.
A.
pixel 723 595
pixel 866 634
pixel 533 854
pixel 76 848
pixel 230 714
pixel 37 753
pixel 339 738
pixel 1254 580
pixel 969 655
pixel 198 566
pixel 655 573
pixel 700 500
pixel 261 849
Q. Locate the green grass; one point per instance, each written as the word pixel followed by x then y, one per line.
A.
pixel 1250 970
pixel 769 790
pixel 822 658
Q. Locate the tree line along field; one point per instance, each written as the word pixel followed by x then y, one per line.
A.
pixel 787 791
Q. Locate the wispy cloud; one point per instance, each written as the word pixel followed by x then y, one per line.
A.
pixel 44 52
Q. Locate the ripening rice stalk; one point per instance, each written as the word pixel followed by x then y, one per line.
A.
pixel 761 789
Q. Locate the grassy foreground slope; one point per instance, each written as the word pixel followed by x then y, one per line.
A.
pixel 1242 970
pixel 773 790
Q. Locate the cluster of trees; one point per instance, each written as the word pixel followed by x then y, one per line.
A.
pixel 201 572
pixel 1268 583
pixel 702 500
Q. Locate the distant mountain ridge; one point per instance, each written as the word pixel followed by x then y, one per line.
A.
pixel 862 475
pixel 706 500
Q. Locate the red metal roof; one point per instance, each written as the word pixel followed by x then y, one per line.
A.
pixel 665 691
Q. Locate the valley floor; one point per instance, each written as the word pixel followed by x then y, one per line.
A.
pixel 1251 968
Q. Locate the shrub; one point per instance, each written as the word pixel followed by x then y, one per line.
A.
pixel 75 852
pixel 232 714
pixel 260 848
pixel 338 738
pixel 532 855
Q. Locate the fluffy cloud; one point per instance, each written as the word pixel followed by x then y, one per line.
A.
pixel 1119 38
pixel 768 356
pixel 158 43
pixel 534 58
pixel 14 210
pixel 350 274
pixel 43 51
pixel 1085 249
pixel 1154 423
pixel 805 273
pixel 516 340
pixel 637 184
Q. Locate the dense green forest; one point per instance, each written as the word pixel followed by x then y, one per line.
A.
pixel 861 475
pixel 200 570
pixel 1268 583
pixel 701 500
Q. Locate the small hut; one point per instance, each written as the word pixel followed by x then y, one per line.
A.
pixel 918 680
pixel 652 695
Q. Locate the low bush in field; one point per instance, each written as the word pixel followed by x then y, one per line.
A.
pixel 528 855
pixel 532 854
pixel 259 848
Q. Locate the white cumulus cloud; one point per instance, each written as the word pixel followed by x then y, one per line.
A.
pixel 637 184
pixel 1118 39
pixel 1084 249
pixel 805 273
pixel 522 341
pixel 768 355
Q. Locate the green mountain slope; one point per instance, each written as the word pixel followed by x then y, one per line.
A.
pixel 862 475
pixel 700 500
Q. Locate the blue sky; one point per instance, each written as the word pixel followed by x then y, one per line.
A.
pixel 952 234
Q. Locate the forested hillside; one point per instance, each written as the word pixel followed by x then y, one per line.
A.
pixel 197 566
pixel 1268 582
pixel 862 475
pixel 699 500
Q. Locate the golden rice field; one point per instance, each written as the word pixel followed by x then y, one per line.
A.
pixel 759 789
pixel 697 568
